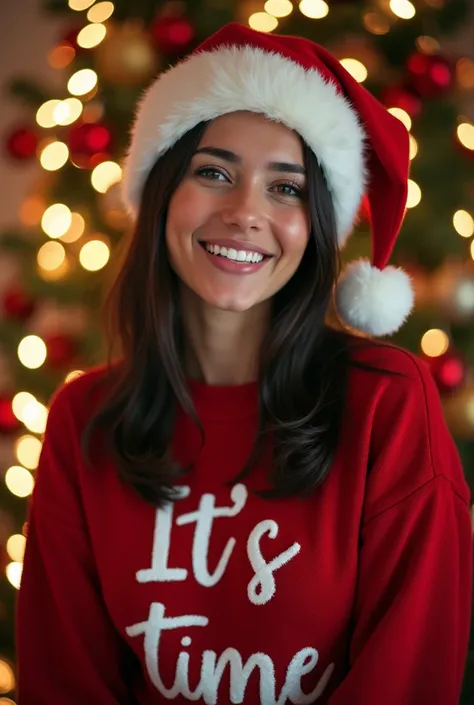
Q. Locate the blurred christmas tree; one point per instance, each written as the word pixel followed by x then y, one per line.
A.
pixel 54 265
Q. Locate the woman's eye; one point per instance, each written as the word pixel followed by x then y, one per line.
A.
pixel 210 173
pixel 292 190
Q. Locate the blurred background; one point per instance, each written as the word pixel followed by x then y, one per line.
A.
pixel 70 74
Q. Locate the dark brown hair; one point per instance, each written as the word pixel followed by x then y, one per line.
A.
pixel 302 367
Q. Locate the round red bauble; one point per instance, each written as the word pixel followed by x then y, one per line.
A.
pixel 8 422
pixel 448 370
pixel 429 75
pixel 21 144
pixel 172 34
pixel 400 97
pixel 17 304
pixel 62 349
pixel 89 144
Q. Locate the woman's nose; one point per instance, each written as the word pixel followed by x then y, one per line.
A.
pixel 244 209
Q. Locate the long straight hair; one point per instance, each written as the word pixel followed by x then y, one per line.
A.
pixel 303 363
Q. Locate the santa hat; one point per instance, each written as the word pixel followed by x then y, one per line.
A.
pixel 361 148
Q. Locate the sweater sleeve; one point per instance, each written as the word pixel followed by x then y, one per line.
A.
pixel 412 611
pixel 68 650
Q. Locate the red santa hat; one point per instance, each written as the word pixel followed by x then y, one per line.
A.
pixel 361 148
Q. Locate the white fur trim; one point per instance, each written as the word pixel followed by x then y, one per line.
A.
pixel 209 84
pixel 372 300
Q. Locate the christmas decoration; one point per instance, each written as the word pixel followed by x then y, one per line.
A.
pixel 172 34
pixel 62 350
pixel 429 75
pixel 459 412
pixel 17 304
pixel 89 144
pixel 398 96
pixel 463 298
pixel 21 144
pixel 449 371
pixel 126 56
pixel 9 424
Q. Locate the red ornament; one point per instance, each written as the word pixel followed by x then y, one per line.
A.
pixel 89 144
pixel 9 424
pixel 400 97
pixel 17 304
pixel 449 371
pixel 62 350
pixel 21 144
pixel 172 34
pixel 429 75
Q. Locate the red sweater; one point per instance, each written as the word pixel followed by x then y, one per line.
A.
pixel 359 595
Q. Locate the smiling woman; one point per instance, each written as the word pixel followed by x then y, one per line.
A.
pixel 253 506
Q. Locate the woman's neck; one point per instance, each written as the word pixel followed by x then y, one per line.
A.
pixel 223 347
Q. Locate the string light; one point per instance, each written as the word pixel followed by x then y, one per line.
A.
pixel 61 56
pixel 465 73
pixel 20 402
pixel 100 12
pixel 314 9
pixel 105 175
pixel 45 113
pixel 71 376
pixel 68 111
pixel 465 133
pixel 435 342
pixel 16 547
pixel 91 35
pixel 355 68
pixel 79 5
pixel 472 249
pixel 279 8
pixel 35 416
pixel 28 450
pixel 463 223
pixel 82 82
pixel 32 352
pixel 263 22
pixel 414 194
pixel 51 256
pixel 375 23
pixel 402 9
pixel 75 230
pixel 7 677
pixel 413 147
pixel 19 481
pixel 401 115
pixel 32 209
pixel 94 255
pixel 14 571
pixel 54 156
pixel 56 220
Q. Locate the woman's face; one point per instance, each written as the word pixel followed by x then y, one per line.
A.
pixel 238 224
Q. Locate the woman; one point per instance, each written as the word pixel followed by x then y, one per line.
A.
pixel 248 506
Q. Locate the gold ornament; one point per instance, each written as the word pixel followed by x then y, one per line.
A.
pixel 126 56
pixel 459 411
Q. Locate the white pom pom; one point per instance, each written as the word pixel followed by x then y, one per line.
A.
pixel 372 300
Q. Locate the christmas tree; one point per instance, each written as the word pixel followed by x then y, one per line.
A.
pixel 57 262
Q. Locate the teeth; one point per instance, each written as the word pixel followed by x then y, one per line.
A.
pixel 234 255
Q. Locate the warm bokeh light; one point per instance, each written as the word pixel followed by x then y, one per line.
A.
pixel 435 342
pixel 16 547
pixel 465 133
pixel 35 416
pixel 51 256
pixel 61 56
pixel 402 9
pixel 427 45
pixel 28 450
pixel 75 230
pixel 91 35
pixel 314 9
pixel 82 82
pixel 263 22
pixel 32 351
pixel 7 677
pixel 465 73
pixel 79 5
pixel 105 175
pixel 94 255
pixel 356 69
pixel 101 11
pixel 413 147
pixel 472 249
pixel 401 115
pixel 54 156
pixel 19 481
pixel 68 111
pixel 463 223
pixel 32 210
pixel 73 375
pixel 414 194
pixel 376 23
pixel 45 113
pixel 56 220
pixel 13 572
pixel 278 8
pixel 19 403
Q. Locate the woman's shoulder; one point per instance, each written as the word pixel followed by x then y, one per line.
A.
pixel 83 393
pixel 386 358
